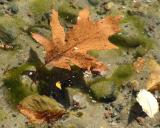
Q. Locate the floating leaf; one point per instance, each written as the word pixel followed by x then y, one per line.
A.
pixel 70 48
pixel 148 102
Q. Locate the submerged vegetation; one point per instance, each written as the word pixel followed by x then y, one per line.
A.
pixel 18 84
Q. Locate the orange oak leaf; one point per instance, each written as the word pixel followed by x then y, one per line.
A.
pixel 70 48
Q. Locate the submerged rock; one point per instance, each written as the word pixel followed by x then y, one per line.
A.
pixel 39 109
pixel 104 90
pixel 108 88
pixel 77 100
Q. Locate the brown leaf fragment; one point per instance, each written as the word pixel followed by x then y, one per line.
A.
pixel 39 109
pixel 153 82
pixel 139 64
pixel 58 34
pixel 66 49
pixel 48 46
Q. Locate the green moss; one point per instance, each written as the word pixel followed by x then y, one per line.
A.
pixel 17 90
pixel 39 7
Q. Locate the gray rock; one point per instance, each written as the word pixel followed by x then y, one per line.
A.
pixel 77 100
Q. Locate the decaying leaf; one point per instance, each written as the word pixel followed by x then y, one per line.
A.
pixel 39 109
pixel 139 64
pixel 154 78
pixel 66 49
pixel 148 102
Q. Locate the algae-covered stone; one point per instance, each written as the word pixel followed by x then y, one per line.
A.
pixel 39 108
pixel 76 98
pixel 122 73
pixel 104 90
pixel 132 40
pixel 108 88
pixel 19 86
pixel 132 34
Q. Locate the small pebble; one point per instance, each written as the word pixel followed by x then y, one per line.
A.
pixel 107 114
pixel 140 120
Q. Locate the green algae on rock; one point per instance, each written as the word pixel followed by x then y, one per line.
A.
pixel 18 86
pixel 39 109
pixel 122 73
pixel 104 90
pixel 107 88
pixel 133 34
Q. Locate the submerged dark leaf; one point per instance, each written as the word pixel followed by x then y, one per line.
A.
pixel 39 109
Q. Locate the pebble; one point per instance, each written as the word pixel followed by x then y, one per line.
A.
pixel 79 101
pixel 140 120
pixel 107 114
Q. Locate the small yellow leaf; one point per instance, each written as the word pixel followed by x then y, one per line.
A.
pixel 58 85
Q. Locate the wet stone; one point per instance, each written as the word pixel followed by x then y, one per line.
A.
pixel 79 101
pixel 104 90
